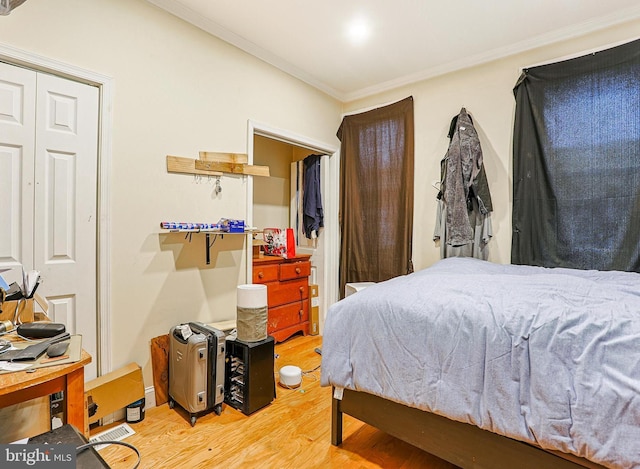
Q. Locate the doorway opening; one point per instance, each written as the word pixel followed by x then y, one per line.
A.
pixel 271 202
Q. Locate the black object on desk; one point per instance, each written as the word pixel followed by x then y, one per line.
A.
pixel 69 435
pixel 40 330
pixel 32 352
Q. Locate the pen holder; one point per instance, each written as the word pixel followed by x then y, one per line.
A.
pixel 17 311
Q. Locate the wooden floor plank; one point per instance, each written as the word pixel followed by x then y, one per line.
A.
pixel 294 431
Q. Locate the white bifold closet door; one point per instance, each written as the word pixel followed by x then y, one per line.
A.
pixel 48 192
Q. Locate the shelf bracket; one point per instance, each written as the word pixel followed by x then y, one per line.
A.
pixel 208 245
pixel 208 253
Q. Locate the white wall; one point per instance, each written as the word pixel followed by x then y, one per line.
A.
pixel 177 90
pixel 486 92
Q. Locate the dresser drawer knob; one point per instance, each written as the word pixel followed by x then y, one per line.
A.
pixel 301 289
pixel 298 270
pixel 260 274
pixel 301 312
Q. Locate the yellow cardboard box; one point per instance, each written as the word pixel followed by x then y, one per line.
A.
pixel 314 310
pixel 114 391
pixel 17 311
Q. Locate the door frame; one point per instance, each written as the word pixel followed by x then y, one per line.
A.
pixel 104 84
pixel 330 193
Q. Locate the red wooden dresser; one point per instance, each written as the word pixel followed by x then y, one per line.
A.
pixel 287 282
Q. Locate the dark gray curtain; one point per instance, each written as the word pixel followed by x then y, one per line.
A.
pixel 576 163
pixel 376 194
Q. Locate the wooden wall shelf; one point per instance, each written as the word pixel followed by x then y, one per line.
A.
pixel 215 164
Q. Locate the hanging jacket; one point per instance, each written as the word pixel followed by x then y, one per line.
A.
pixel 463 179
pixel 313 215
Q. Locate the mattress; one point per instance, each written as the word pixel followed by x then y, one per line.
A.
pixel 547 356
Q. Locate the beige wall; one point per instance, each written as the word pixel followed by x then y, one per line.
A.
pixel 272 195
pixel 486 92
pixel 177 90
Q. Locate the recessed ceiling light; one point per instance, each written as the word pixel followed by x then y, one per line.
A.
pixel 358 31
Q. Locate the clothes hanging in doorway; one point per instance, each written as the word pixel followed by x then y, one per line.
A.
pixel 313 215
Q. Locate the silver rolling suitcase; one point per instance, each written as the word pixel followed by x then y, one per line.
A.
pixel 197 370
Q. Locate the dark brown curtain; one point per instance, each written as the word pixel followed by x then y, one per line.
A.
pixel 376 194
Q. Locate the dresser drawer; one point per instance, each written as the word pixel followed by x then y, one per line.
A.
pixel 287 315
pixel 280 293
pixel 295 270
pixel 265 273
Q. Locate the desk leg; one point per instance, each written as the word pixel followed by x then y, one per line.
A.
pixel 76 406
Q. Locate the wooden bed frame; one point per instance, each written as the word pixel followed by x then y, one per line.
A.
pixel 462 444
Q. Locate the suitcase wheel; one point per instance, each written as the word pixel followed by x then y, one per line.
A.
pixel 193 420
pixel 218 409
pixel 172 403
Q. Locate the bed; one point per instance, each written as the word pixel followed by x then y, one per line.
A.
pixel 489 365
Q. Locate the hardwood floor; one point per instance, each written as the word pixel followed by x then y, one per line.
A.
pixel 292 432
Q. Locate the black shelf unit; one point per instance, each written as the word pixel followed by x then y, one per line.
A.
pixel 250 383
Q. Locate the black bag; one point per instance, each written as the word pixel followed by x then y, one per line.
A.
pixel 40 330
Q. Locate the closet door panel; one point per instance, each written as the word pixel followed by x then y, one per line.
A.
pixel 60 218
pixel 17 127
pixel 48 192
pixel 65 247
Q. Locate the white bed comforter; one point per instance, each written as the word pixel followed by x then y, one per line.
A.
pixel 549 356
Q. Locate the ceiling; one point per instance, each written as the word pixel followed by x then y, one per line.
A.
pixel 355 48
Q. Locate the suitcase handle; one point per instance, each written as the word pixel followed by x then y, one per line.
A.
pixel 178 337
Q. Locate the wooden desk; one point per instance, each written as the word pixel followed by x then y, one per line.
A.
pixel 21 386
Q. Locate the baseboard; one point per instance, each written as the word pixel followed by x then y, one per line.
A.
pixel 149 397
